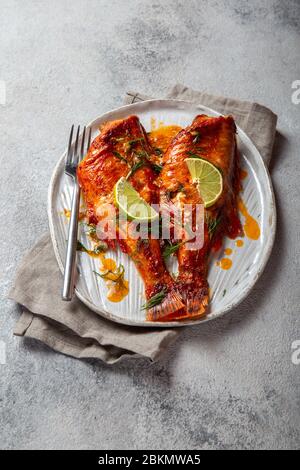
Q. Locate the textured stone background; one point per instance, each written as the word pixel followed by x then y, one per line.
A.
pixel 227 384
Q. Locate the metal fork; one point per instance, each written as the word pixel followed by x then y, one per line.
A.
pixel 74 156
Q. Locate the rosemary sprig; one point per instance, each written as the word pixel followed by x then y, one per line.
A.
pixel 134 168
pixel 144 156
pixel 170 249
pixel 212 224
pixel 101 248
pixel 156 167
pixel 156 299
pixel 91 230
pixel 119 156
pixel 132 142
pixel 119 273
pixel 195 155
pixel 81 247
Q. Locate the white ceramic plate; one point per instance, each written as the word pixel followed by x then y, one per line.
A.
pixel 228 288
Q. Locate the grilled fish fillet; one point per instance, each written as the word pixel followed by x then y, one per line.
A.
pixel 122 146
pixel 213 139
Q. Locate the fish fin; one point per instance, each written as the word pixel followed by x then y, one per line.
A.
pixel 194 309
pixel 196 302
pixel 171 305
pixel 196 299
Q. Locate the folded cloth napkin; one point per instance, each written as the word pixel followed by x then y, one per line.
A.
pixel 73 329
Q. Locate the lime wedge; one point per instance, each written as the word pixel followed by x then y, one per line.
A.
pixel 128 200
pixel 208 178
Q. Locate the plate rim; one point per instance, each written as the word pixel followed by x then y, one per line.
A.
pixel 266 254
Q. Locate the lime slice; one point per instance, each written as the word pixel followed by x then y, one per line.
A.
pixel 208 178
pixel 128 200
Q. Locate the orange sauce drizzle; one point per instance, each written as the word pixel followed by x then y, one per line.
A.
pixel 161 137
pixel 228 251
pixel 251 227
pixel 239 243
pixel 118 287
pixel 225 263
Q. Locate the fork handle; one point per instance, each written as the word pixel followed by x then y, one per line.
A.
pixel 70 264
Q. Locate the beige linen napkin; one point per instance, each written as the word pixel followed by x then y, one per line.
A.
pixel 70 327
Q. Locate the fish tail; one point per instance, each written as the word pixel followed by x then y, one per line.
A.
pixel 171 306
pixel 195 297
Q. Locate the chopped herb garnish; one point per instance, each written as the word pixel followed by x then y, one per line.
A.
pixel 135 141
pixel 158 151
pixel 91 229
pixel 118 155
pixel 134 168
pixel 81 247
pixel 156 167
pixel 145 158
pixel 141 154
pixel 119 273
pixel 224 292
pixel 100 248
pixel 131 143
pixel 212 224
pixel 170 249
pixel 180 188
pixel 194 155
pixel 154 300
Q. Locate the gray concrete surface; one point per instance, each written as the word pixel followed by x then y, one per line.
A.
pixel 227 384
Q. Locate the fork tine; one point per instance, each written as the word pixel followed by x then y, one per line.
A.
pixel 75 156
pixel 82 144
pixel 89 138
pixel 69 152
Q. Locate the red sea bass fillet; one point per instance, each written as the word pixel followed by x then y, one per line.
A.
pixel 212 139
pixel 119 147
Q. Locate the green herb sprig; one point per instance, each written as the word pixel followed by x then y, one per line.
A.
pixel 119 156
pixel 100 248
pixel 212 224
pixel 134 168
pixel 91 230
pixel 119 273
pixel 156 299
pixel 156 167
pixel 144 157
pixel 171 249
pixel 131 143
pixel 195 155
